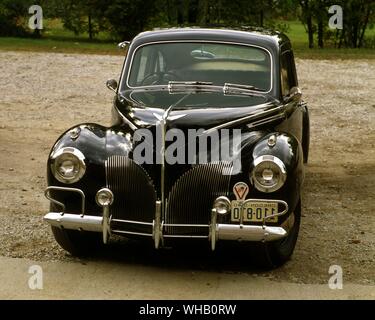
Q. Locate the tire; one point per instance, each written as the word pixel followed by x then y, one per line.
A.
pixel 306 136
pixel 77 243
pixel 273 254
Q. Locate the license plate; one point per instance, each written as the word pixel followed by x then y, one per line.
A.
pixel 254 211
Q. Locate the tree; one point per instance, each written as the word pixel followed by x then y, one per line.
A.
pixel 306 18
pixel 12 16
pixel 358 14
pixel 129 17
pixel 83 16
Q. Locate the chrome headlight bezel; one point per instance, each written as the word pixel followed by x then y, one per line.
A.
pixel 104 197
pixel 269 163
pixel 64 154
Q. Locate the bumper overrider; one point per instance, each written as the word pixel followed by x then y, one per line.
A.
pixel 215 231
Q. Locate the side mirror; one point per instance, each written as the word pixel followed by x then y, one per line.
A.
pixel 295 94
pixel 123 45
pixel 111 85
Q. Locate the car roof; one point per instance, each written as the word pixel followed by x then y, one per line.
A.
pixel 255 36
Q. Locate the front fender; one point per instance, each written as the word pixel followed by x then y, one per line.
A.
pixel 97 143
pixel 289 150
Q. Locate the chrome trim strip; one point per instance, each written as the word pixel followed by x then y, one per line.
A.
pixel 186 225
pixel 192 41
pixel 212 236
pixel 157 228
pixel 266 120
pixel 48 196
pixel 132 222
pixel 183 236
pixel 277 109
pixel 133 233
pixel 106 224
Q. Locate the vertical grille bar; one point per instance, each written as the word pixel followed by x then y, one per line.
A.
pixel 134 192
pixel 191 198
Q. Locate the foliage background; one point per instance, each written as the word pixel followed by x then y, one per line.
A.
pixel 94 22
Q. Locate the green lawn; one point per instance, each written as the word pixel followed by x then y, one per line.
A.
pixel 58 45
pixel 298 37
pixel 57 39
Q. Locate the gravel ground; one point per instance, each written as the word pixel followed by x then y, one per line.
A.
pixel 44 94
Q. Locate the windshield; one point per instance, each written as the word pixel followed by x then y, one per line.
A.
pixel 216 63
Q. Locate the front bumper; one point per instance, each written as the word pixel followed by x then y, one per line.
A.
pixel 215 231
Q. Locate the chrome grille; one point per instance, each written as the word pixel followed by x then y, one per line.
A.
pixel 191 198
pixel 134 192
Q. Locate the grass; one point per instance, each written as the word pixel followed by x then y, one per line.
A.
pixel 58 45
pixel 298 37
pixel 57 39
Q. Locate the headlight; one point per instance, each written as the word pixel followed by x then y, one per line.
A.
pixel 268 174
pixel 68 165
pixel 222 205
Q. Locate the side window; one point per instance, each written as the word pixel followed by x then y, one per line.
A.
pixel 148 62
pixel 288 75
pixel 143 64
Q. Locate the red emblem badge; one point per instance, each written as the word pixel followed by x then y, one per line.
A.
pixel 241 189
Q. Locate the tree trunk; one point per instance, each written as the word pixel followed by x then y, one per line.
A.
pixel 320 34
pixel 261 18
pixel 360 41
pixel 204 20
pixel 90 28
pixel 342 37
pixel 180 12
pixel 310 31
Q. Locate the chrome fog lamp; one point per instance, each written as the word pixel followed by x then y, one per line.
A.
pixel 68 165
pixel 268 174
pixel 104 197
pixel 222 205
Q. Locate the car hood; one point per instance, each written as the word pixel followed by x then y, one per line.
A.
pixel 192 110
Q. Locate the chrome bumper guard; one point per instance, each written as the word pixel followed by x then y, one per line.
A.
pixel 216 231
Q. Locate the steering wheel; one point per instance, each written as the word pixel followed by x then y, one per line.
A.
pixel 159 78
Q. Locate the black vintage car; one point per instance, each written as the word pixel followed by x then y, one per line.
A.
pixel 208 142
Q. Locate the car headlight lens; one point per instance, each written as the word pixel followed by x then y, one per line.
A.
pixel 268 174
pixel 68 165
pixel 222 205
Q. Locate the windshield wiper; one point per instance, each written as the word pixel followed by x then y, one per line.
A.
pixel 235 88
pixel 183 86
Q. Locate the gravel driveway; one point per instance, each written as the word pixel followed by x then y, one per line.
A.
pixel 44 94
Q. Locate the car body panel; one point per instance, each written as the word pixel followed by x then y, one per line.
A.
pixel 186 192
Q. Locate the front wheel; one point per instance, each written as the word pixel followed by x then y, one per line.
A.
pixel 77 243
pixel 275 253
